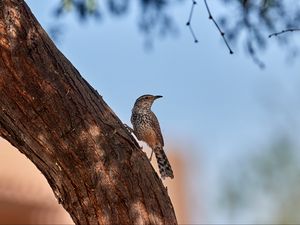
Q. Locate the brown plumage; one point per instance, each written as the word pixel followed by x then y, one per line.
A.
pixel 146 128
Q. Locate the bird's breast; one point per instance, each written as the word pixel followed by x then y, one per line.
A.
pixel 144 131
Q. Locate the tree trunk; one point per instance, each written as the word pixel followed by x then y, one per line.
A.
pixel 52 115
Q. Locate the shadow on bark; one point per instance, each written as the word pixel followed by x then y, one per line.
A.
pixel 52 115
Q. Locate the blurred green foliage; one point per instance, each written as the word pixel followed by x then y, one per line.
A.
pixel 263 187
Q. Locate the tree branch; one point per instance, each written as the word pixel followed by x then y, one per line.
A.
pixel 211 18
pixel 190 20
pixel 52 115
pixel 284 31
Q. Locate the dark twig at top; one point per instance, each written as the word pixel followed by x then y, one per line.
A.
pixel 284 31
pixel 189 21
pixel 218 27
pixel 211 18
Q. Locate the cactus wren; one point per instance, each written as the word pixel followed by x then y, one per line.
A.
pixel 146 128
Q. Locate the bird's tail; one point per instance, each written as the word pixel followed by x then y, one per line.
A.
pixel 164 166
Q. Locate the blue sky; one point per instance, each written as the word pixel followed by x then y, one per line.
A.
pixel 213 101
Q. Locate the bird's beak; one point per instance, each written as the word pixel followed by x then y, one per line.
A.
pixel 157 96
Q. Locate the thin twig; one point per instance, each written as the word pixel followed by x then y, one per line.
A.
pixel 191 12
pixel 284 31
pixel 189 22
pixel 193 34
pixel 218 27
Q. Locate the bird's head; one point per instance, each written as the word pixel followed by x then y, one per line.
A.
pixel 146 101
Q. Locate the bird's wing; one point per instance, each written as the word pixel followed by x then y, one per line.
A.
pixel 155 125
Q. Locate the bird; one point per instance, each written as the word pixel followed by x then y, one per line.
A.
pixel 146 128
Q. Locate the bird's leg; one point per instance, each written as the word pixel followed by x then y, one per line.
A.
pixel 151 155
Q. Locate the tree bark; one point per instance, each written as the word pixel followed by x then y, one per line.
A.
pixel 52 115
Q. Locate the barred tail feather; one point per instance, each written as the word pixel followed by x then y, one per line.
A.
pixel 164 166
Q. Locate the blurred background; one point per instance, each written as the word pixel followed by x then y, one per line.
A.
pixel 230 122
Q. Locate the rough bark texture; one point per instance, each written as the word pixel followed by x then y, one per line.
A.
pixel 53 116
